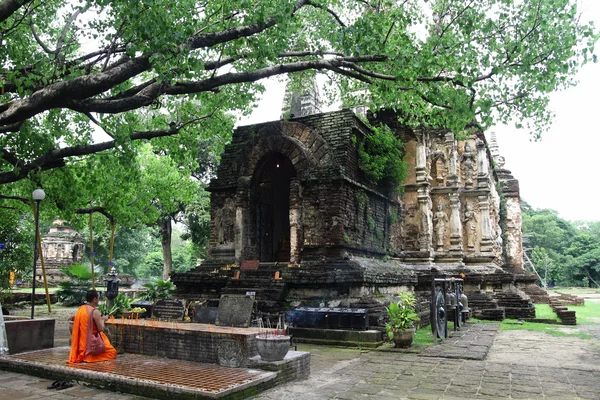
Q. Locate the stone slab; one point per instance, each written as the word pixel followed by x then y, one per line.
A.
pixel 29 334
pixel 235 310
pixel 169 309
pixel 249 265
pixel 205 315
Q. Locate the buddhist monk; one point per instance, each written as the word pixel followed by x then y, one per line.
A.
pixel 80 330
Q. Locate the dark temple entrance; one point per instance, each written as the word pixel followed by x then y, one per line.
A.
pixel 272 200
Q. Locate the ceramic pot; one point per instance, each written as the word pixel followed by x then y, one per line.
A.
pixel 272 348
pixel 403 337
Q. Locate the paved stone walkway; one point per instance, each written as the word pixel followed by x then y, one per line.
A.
pixel 15 386
pixel 399 376
pixel 519 365
pixel 472 342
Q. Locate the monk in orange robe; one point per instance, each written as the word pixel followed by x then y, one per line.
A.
pixel 80 331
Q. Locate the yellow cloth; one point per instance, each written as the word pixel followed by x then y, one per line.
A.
pixel 79 338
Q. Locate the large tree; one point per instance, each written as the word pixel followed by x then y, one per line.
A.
pixel 67 64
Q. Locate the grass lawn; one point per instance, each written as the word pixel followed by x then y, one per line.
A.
pixel 587 314
pixel 551 329
pixel 575 290
pixel 424 336
pixel 38 289
pixel 544 311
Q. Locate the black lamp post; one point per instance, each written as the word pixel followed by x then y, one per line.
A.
pixel 112 286
pixel 38 195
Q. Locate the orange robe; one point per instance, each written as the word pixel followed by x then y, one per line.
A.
pixel 79 338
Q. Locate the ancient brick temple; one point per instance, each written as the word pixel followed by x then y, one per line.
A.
pixel 291 194
pixel 61 246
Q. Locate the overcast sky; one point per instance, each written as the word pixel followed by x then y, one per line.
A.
pixel 562 171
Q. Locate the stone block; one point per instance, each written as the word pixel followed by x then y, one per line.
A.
pixel 30 334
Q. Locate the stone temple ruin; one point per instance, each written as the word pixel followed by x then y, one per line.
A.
pixel 61 246
pixel 295 220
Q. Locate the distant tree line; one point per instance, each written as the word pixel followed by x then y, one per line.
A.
pixel 564 253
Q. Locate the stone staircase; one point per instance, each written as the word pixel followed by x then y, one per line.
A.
pixel 270 293
pixel 498 305
pixel 516 304
pixel 536 294
pixel 483 306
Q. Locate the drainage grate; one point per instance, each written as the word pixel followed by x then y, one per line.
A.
pixel 205 377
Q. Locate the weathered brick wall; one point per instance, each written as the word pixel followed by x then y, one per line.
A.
pixel 190 345
pixel 364 218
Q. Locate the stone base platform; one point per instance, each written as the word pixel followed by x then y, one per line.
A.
pixel 159 377
pixel 337 337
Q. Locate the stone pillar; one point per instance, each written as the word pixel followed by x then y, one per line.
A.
pixel 426 236
pixel 295 223
pixel 242 226
pixel 513 235
pixel 421 167
pixel 482 165
pixel 484 223
pixel 452 178
pixel 456 245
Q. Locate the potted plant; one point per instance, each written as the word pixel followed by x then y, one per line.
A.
pixel 401 320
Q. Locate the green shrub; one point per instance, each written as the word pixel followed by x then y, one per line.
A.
pixel 381 158
pixel 158 290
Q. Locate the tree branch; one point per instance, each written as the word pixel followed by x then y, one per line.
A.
pixel 55 158
pixel 63 35
pixel 39 41
pixel 58 94
pixel 9 7
pixel 100 210
pixel 330 11
pixel 149 93
pixel 17 198
pixel 9 157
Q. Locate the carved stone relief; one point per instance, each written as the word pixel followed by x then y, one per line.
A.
pixel 440 220
pixel 470 220
pixel 229 354
pixel 468 165
pixel 411 231
pixel 224 221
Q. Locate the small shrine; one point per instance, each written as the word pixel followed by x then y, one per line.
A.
pixel 61 246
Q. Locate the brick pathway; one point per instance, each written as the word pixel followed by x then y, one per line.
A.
pixel 472 342
pixel 402 376
pixel 519 365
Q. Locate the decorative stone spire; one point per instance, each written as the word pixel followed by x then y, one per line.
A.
pixel 495 151
pixel 301 103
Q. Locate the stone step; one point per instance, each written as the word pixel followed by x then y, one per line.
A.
pixel 256 283
pixel 261 294
pixel 260 273
pixel 493 314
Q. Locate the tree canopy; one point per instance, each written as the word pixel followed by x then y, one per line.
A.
pixel 70 67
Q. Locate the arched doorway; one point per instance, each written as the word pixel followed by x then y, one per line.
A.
pixel 272 207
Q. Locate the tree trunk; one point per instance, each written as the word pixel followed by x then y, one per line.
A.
pixel 165 240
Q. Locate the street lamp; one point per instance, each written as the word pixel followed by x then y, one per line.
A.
pixel 38 195
pixel 112 286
